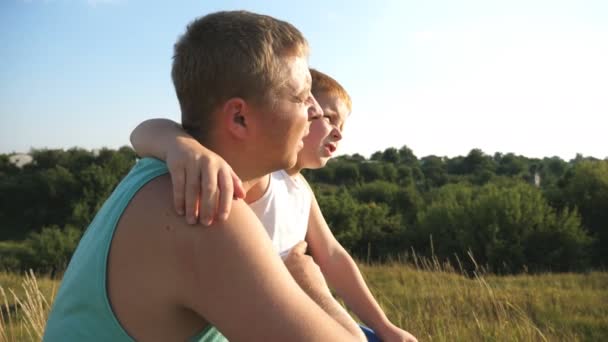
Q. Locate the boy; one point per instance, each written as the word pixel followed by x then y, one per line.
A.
pixel 283 200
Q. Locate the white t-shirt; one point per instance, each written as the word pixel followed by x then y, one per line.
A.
pixel 284 209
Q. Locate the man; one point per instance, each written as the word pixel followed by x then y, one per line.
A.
pixel 141 272
pixel 283 201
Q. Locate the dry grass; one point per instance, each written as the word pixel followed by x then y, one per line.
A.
pixel 24 311
pixel 431 300
pixel 437 303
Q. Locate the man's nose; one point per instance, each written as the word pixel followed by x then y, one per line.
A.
pixel 315 111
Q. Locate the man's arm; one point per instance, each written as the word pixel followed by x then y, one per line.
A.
pixel 229 274
pixel 203 183
pixel 344 277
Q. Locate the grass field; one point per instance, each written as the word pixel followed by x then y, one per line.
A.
pixel 433 302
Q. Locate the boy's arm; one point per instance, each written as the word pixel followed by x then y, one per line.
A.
pixel 204 197
pixel 344 277
pixel 319 294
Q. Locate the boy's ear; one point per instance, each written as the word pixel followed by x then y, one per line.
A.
pixel 236 117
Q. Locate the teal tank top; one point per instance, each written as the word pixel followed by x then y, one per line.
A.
pixel 81 310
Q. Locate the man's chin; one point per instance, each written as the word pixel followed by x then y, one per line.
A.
pixel 291 162
pixel 319 164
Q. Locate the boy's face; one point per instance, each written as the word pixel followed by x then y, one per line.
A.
pixel 325 133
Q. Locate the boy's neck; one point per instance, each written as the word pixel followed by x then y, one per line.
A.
pixel 256 188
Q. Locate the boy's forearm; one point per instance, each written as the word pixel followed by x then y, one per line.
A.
pixel 331 306
pixel 344 277
pixel 153 137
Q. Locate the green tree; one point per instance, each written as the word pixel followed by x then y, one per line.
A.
pixel 377 192
pixel 407 203
pixel 378 231
pixel 322 175
pixel 377 156
pixel 390 155
pixel 585 187
pixel 511 165
pixel 371 171
pixel 47 159
pixel 407 156
pixel 434 170
pixel 346 173
pixel 479 166
pixel 405 176
pixel 339 210
pixel 456 166
pixel 389 172
pixel 6 167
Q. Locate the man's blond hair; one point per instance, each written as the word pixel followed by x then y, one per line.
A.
pixel 324 84
pixel 231 54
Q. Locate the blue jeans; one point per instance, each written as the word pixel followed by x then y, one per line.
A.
pixel 370 334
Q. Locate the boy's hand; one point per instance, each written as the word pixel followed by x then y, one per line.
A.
pixel 396 334
pixel 204 185
pixel 305 271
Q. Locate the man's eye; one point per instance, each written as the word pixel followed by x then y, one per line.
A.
pixel 299 99
pixel 327 117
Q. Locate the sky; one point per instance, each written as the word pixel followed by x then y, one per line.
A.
pixel 442 77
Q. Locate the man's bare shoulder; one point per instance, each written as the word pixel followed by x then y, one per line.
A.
pixel 143 278
pixel 155 201
pixel 157 259
pixel 156 194
pixel 227 273
pixel 151 222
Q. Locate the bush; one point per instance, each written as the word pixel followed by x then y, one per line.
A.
pixel 12 255
pixel 51 249
pixel 340 210
pixel 377 192
pixel 506 228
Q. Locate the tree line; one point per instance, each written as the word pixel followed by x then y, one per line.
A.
pixel 503 212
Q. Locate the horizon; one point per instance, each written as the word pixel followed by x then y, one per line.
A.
pixel 367 157
pixel 526 77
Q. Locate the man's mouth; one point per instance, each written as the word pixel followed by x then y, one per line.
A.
pixel 306 132
pixel 331 147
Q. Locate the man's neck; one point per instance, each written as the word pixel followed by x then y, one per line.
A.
pixel 247 169
pixel 256 188
pixel 243 162
pixel 294 170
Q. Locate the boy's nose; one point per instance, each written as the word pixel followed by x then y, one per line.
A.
pixel 337 134
pixel 315 111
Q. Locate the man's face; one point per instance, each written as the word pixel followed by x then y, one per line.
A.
pixel 283 127
pixel 325 133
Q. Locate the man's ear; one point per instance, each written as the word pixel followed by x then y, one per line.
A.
pixel 236 117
